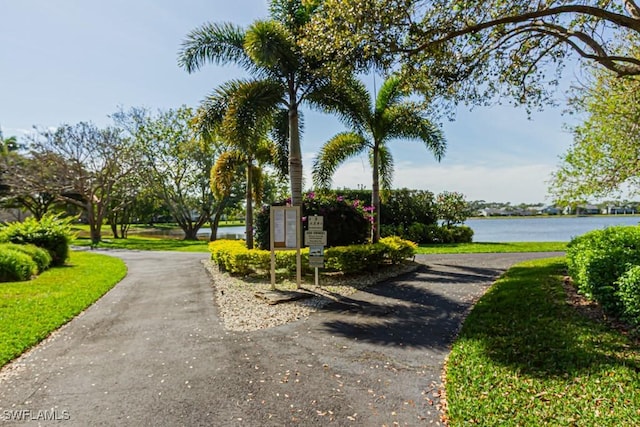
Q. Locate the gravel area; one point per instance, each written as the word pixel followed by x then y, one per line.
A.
pixel 241 310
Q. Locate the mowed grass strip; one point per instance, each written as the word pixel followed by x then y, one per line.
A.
pixel 490 247
pixel 31 310
pixel 140 243
pixel 526 357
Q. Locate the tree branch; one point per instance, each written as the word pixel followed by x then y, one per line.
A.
pixel 632 22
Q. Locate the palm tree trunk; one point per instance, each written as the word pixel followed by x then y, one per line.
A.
pixel 295 152
pixel 375 197
pixel 249 217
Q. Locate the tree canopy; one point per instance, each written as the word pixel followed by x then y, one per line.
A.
pixel 604 158
pixel 515 47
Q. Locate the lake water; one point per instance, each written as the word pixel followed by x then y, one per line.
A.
pixel 525 229
pixel 542 229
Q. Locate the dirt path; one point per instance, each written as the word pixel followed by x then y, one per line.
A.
pixel 153 352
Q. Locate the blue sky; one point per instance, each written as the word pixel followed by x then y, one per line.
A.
pixel 65 61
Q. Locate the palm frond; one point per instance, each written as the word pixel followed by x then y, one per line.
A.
pixel 334 152
pixel 348 99
pixel 269 44
pixel 257 183
pixel 386 170
pixel 390 94
pixel 223 172
pixel 406 122
pixel 219 43
pixel 280 135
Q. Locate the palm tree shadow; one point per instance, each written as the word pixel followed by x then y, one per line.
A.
pixel 407 311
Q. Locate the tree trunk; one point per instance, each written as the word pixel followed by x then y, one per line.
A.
pixel 248 222
pixel 295 152
pixel 216 219
pixel 94 226
pixel 114 228
pixel 191 234
pixel 375 196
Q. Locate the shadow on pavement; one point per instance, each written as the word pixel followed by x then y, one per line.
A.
pixel 423 309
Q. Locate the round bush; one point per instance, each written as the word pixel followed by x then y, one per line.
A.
pixel 40 256
pixel 629 294
pixel 50 233
pixel 16 266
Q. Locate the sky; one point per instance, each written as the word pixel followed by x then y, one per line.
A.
pixel 66 61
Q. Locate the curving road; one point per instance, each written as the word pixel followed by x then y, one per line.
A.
pixel 153 352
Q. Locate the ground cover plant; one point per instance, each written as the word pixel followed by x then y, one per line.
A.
pixel 526 357
pixel 30 311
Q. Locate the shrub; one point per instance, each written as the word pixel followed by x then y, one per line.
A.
pixel 629 294
pixel 596 260
pixel 405 207
pixel 50 233
pixel 461 234
pixel 16 265
pixel 233 256
pixel 40 256
pixel 398 249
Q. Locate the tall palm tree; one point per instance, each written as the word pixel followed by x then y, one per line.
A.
pixel 374 125
pixel 270 51
pixel 237 114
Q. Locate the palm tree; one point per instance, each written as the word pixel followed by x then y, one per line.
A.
pixel 8 145
pixel 236 114
pixel 270 51
pixel 392 117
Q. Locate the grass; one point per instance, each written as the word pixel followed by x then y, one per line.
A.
pixel 526 357
pixel 31 310
pixel 486 247
pixel 141 243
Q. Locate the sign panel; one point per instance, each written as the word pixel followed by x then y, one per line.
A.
pixel 316 261
pixel 315 223
pixel 285 226
pixel 315 238
pixel 316 251
pixel 291 223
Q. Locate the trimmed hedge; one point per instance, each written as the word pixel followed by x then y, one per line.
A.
pixel 50 233
pixel 16 266
pixel 430 233
pixel 598 260
pixel 40 256
pixel 233 256
pixel 629 294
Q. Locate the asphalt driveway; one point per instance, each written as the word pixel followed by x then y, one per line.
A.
pixel 153 352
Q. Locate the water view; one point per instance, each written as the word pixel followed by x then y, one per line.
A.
pixel 542 229
pixel 511 229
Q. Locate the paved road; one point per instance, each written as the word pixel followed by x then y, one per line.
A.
pixel 153 352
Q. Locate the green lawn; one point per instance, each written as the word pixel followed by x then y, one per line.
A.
pixel 31 310
pixel 525 357
pixel 149 244
pixel 482 247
